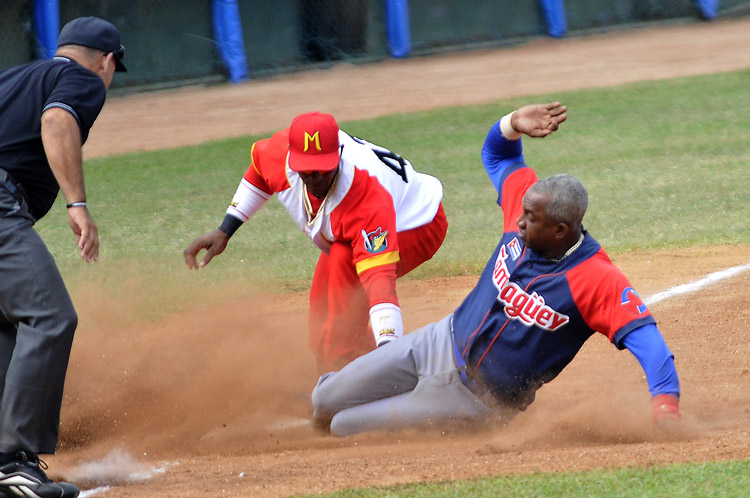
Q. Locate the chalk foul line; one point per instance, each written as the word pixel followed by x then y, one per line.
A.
pixel 698 284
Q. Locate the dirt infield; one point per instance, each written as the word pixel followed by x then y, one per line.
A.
pixel 215 402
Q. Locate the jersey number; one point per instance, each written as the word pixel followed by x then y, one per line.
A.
pixel 395 162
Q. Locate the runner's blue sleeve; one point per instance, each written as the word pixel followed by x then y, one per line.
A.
pixel 501 156
pixel 648 346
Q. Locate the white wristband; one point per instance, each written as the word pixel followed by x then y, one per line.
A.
pixel 507 129
pixel 387 323
pixel 247 201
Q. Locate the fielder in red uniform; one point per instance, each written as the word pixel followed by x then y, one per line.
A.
pixel 372 215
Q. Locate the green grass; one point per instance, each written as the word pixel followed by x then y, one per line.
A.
pixel 666 165
pixel 713 479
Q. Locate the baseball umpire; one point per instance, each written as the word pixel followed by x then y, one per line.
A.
pixel 46 110
pixel 372 215
pixel 546 289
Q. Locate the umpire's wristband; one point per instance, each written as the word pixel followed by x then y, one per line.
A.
pixel 81 204
pixel 230 224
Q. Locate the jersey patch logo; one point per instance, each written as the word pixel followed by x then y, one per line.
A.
pixel 376 241
pixel 629 299
pixel 514 246
pixel 519 304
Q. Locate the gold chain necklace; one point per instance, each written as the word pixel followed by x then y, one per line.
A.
pixel 308 205
pixel 571 250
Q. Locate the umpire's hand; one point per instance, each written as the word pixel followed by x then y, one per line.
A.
pixel 83 226
pixel 213 242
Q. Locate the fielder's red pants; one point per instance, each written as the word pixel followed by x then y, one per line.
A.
pixel 339 309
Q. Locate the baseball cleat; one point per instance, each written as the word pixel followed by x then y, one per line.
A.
pixel 25 477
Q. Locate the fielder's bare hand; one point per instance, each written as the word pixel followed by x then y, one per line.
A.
pixel 538 120
pixel 213 242
pixel 83 226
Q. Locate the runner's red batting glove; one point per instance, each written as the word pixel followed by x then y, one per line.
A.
pixel 665 407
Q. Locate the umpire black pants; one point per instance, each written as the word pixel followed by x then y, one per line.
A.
pixel 37 322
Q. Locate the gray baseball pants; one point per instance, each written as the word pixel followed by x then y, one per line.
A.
pixel 37 323
pixel 411 382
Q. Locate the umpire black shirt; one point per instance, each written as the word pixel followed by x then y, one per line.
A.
pixel 25 93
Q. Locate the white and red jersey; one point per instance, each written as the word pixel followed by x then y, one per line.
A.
pixel 375 195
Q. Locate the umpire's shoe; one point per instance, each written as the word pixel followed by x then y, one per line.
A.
pixel 24 476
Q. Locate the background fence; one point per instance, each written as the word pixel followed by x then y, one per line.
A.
pixel 175 42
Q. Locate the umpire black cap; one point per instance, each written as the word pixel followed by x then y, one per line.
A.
pixel 94 32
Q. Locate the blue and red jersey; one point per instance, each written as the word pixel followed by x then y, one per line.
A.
pixel 528 316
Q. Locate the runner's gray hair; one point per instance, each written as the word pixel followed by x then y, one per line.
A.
pixel 568 198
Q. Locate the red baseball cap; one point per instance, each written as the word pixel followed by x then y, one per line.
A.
pixel 314 142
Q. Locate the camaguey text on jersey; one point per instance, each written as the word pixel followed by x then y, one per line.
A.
pixel 519 305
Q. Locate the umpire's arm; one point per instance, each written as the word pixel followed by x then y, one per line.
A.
pixel 61 137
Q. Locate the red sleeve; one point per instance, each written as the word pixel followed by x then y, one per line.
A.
pixel 514 188
pixel 380 284
pixel 366 219
pixel 267 169
pixel 607 301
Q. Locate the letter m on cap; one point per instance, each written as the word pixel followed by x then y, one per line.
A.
pixel 315 137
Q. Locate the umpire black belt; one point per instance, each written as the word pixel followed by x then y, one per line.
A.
pixel 7 182
pixel 470 379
